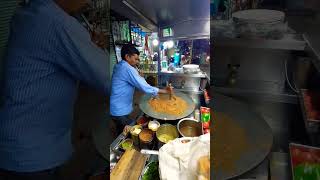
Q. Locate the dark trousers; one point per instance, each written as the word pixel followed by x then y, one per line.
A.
pixel 118 124
pixel 50 174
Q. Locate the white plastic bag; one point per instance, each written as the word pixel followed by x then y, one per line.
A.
pixel 178 160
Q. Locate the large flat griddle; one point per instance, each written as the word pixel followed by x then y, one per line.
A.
pixel 258 132
pixel 145 107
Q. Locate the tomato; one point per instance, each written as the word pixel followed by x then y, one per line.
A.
pixel 142 121
pixel 206 125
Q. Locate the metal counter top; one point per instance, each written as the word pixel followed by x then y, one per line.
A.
pixel 289 42
pixel 199 75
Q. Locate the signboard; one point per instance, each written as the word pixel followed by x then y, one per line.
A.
pixel 167 32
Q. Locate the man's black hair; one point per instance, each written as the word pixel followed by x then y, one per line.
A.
pixel 128 49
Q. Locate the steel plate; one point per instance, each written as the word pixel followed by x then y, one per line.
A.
pixel 145 107
pixel 258 132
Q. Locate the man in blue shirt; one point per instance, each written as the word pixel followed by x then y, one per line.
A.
pixel 49 51
pixel 125 79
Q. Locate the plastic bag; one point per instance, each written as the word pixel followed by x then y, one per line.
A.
pixel 178 159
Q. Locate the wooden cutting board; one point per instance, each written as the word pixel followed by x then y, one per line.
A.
pixel 129 166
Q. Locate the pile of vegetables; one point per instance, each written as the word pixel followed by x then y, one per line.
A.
pixel 152 172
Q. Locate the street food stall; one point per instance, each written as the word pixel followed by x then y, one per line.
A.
pixel 176 53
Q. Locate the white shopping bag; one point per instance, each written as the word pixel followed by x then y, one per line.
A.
pixel 178 160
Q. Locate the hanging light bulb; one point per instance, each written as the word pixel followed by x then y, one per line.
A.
pixel 155 42
pixel 170 44
pixel 165 45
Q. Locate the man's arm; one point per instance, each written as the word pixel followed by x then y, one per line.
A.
pixel 139 82
pixel 84 60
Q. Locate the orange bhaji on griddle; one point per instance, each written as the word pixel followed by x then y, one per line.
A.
pixel 173 106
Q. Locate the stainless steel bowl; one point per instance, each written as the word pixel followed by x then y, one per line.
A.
pixel 189 128
pixel 191 69
pixel 166 129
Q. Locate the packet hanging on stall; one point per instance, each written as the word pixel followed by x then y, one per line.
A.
pixel 205 114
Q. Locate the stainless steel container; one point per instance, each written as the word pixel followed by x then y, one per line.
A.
pixel 189 127
pixel 146 143
pixel 188 82
pixel 166 130
pixel 135 135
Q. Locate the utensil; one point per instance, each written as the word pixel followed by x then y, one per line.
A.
pixel 153 125
pixel 191 68
pixel 149 152
pixel 116 143
pixel 143 121
pixel 165 133
pixel 259 16
pixel 129 141
pixel 260 23
pixel 135 135
pixel 145 141
pixel 87 23
pixel 189 127
pixel 171 92
pixel 145 107
pixel 258 132
pixel 129 166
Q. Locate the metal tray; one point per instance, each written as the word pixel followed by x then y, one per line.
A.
pixel 258 132
pixel 145 107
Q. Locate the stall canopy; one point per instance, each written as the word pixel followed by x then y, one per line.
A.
pixel 185 17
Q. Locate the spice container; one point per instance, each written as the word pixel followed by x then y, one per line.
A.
pixel 146 139
pixel 135 131
pixel 153 125
pixel 166 133
pixel 143 121
pixel 188 127
pixel 197 115
pixel 127 144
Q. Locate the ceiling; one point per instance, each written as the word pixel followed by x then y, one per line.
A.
pixel 162 13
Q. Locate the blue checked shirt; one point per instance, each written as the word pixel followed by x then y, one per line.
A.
pixel 125 79
pixel 48 52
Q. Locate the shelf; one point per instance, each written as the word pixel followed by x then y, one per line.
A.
pixel 149 72
pixel 190 37
pixel 289 42
pixel 199 75
pixel 126 43
pixel 283 97
pixel 313 49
